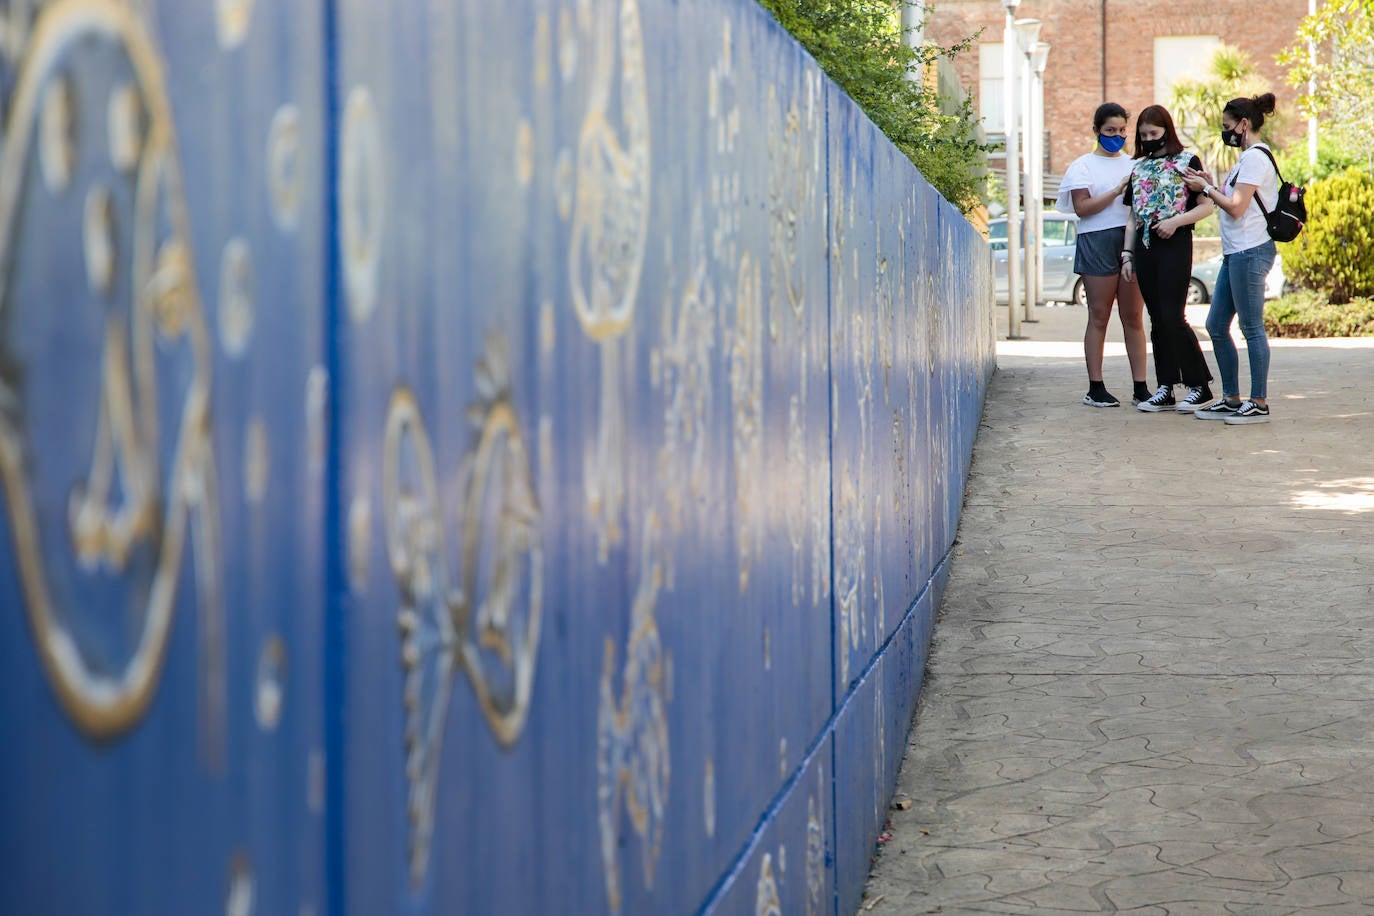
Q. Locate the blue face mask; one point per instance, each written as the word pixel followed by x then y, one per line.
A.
pixel 1111 144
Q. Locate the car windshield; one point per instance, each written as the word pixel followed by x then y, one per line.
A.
pixel 1054 232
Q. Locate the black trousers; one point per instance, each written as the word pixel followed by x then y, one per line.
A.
pixel 1163 271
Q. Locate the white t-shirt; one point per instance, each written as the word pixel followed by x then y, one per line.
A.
pixel 1247 231
pixel 1097 174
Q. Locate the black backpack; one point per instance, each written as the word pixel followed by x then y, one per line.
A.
pixel 1285 221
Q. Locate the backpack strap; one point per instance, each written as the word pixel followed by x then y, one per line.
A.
pixel 1275 164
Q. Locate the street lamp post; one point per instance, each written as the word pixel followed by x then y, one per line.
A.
pixel 1038 58
pixel 1011 65
pixel 913 22
pixel 1312 90
pixel 1027 35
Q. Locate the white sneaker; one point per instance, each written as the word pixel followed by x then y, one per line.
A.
pixel 1163 399
pixel 1219 409
pixel 1195 398
pixel 1249 412
pixel 1103 400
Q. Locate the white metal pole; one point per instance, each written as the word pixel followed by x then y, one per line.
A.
pixel 913 22
pixel 1027 34
pixel 1033 224
pixel 1311 90
pixel 1038 59
pixel 1010 128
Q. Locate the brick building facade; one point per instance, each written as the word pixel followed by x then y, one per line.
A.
pixel 1120 51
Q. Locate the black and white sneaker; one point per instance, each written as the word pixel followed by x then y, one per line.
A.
pixel 1101 399
pixel 1220 409
pixel 1249 412
pixel 1163 399
pixel 1194 399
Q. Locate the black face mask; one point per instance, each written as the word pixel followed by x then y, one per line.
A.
pixel 1150 147
pixel 1230 138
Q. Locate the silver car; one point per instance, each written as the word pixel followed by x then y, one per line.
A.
pixel 1059 235
pixel 1205 278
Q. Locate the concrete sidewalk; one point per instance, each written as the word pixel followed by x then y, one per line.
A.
pixel 1151 688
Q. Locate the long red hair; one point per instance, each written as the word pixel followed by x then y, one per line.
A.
pixel 1158 116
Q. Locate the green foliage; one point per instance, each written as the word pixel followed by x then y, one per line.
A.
pixel 1208 227
pixel 1332 157
pixel 1196 106
pixel 996 190
pixel 859 43
pixel 1335 253
pixel 1310 314
pixel 1335 52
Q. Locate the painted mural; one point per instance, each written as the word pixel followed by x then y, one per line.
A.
pixel 128 520
pixel 462 457
pixel 161 424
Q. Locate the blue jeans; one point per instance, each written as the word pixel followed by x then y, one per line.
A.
pixel 1240 292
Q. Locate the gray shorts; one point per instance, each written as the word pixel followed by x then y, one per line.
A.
pixel 1098 254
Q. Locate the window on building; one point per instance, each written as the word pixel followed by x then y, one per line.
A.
pixel 1180 57
pixel 990 102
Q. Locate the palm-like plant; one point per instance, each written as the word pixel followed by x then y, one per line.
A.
pixel 1196 105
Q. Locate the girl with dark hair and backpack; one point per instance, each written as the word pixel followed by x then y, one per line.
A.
pixel 1247 255
pixel 1091 188
pixel 1159 256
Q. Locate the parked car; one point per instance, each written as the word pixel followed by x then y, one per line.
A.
pixel 1205 278
pixel 1059 237
pixel 1059 234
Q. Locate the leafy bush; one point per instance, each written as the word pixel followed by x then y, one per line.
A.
pixel 1309 314
pixel 1332 157
pixel 1333 56
pixel 1335 253
pixel 859 44
pixel 1209 227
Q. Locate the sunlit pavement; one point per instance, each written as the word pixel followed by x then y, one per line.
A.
pixel 1152 682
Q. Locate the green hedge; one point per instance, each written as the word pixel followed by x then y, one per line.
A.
pixel 1311 314
pixel 1335 253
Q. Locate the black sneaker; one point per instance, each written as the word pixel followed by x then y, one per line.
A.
pixel 1194 399
pixel 1220 409
pixel 1249 412
pixel 1163 399
pixel 1100 399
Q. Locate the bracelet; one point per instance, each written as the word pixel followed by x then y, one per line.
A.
pixel 1128 254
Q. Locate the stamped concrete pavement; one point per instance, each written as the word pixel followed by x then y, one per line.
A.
pixel 1151 688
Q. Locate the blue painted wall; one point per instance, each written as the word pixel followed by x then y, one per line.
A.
pixel 462 457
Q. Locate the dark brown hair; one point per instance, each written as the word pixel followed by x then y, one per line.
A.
pixel 1108 110
pixel 1158 116
pixel 1252 109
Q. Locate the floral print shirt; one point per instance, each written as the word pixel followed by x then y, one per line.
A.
pixel 1157 192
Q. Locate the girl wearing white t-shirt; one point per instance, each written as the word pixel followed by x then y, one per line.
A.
pixel 1247 253
pixel 1091 188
